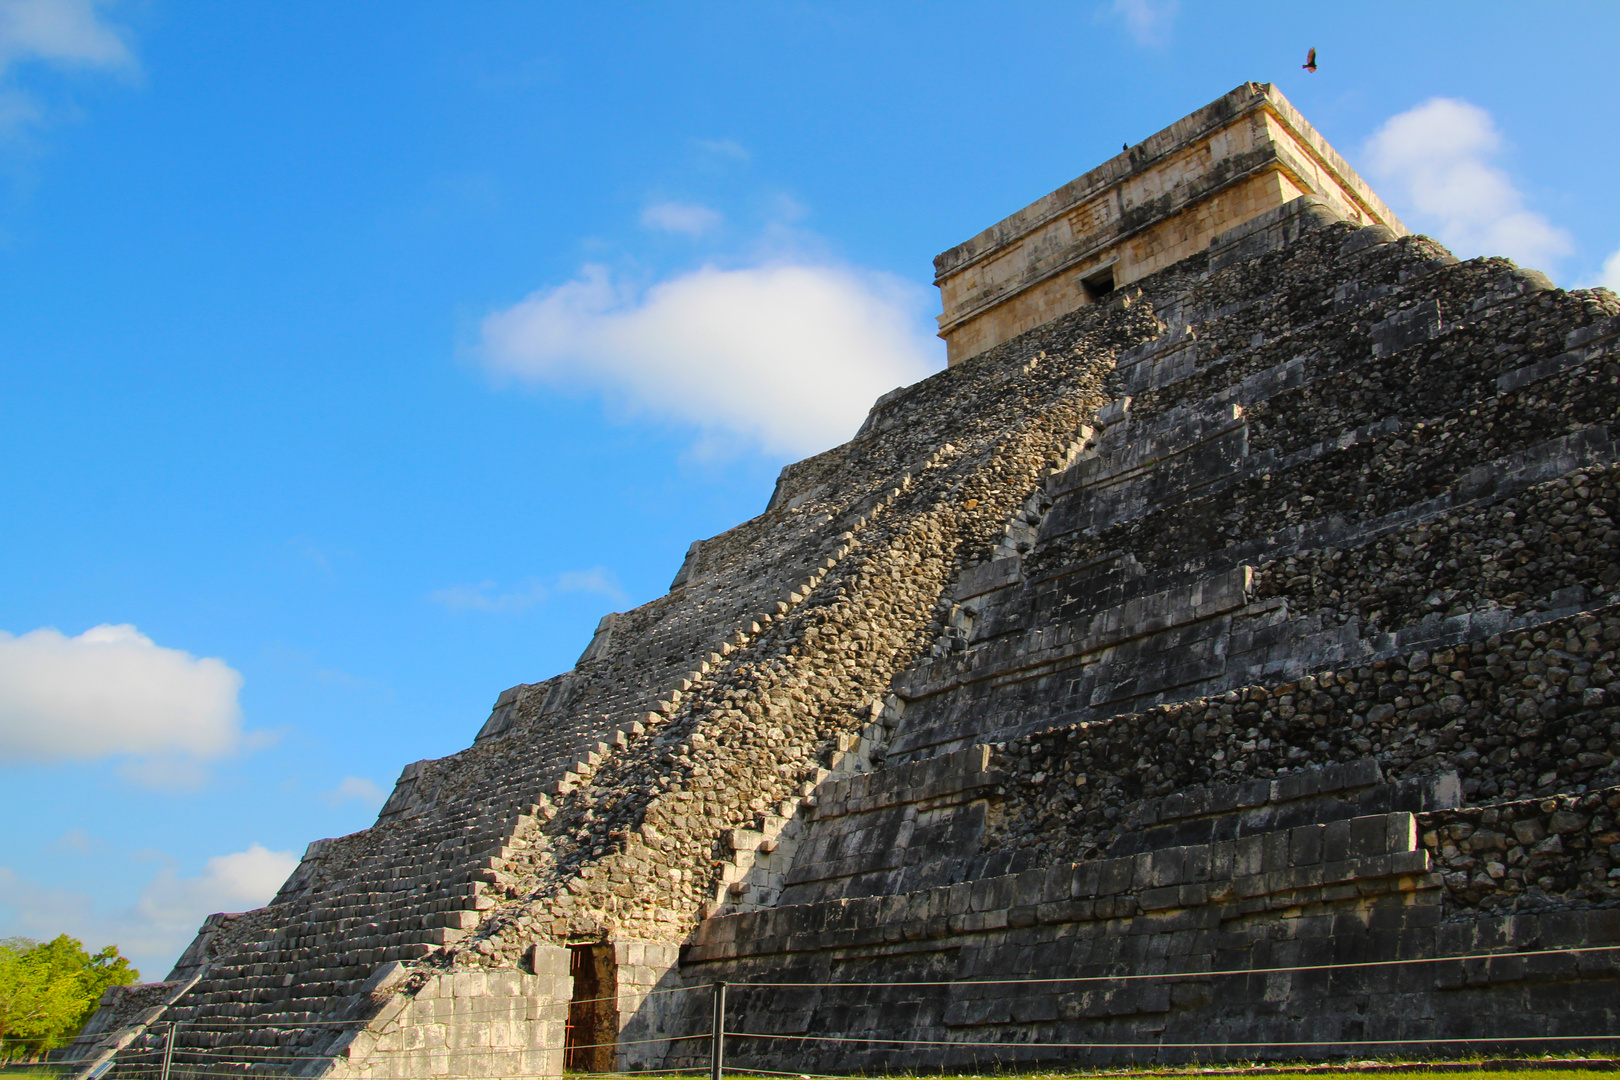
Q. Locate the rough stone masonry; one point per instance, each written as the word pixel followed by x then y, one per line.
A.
pixel 1261 612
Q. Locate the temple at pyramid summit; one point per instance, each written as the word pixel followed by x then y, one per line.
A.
pixel 1151 207
pixel 1213 663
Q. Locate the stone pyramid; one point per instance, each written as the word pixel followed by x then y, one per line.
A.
pixel 1244 595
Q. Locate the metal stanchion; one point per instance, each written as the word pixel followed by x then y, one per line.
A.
pixel 717 1047
pixel 168 1050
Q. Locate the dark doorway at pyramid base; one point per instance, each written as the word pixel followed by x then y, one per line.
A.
pixel 590 1041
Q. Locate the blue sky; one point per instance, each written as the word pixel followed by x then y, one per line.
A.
pixel 356 358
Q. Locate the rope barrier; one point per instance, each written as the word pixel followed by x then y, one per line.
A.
pixel 237 1058
pixel 803 1075
pixel 211 1023
pixel 239 1075
pixel 1181 1045
pixel 504 1075
pixel 244 1059
pixel 648 1072
pixel 1207 972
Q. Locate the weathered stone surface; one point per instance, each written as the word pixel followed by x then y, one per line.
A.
pixel 1265 615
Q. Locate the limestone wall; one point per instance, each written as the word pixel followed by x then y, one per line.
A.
pixel 1477 709
pixel 1260 444
pixel 1027 968
pixel 463 1024
pixel 648 1001
pixel 1541 853
pixel 1154 205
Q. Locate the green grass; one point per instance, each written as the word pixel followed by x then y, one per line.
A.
pixel 1382 1070
pixel 1417 1072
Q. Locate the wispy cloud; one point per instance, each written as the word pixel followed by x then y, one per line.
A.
pixel 1609 276
pixel 689 218
pixel 64 34
pixel 724 148
pixel 597 579
pixel 18 110
pixel 331 676
pixel 787 354
pixel 233 882
pixel 113 691
pixel 162 921
pixel 174 772
pixel 1149 22
pixel 319 555
pixel 78 842
pixel 1439 158
pixel 487 595
pixel 308 664
pixel 355 789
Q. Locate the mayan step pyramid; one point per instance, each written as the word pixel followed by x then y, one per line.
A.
pixel 1243 596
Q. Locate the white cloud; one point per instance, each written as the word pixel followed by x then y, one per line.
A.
pixel 114 691
pixel 1147 21
pixel 598 579
pixel 1439 157
pixel 1609 276
pixel 724 148
pixel 689 218
pixel 18 110
pixel 63 34
pixel 319 555
pixel 165 773
pixel 356 789
pixel 789 354
pixel 163 920
pixel 483 597
pixel 235 882
pixel 329 676
pixel 486 595
pixel 78 841
pixel 67 32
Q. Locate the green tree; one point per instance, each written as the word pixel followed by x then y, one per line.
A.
pixel 49 989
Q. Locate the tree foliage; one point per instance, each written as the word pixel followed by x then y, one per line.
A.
pixel 48 989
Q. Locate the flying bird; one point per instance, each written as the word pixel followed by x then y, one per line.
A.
pixel 1310 61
